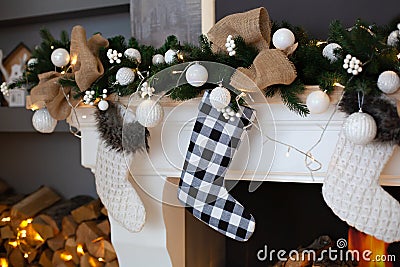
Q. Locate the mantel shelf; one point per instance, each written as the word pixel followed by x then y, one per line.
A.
pixel 19 120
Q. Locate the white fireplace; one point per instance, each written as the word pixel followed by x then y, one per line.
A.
pixel 162 242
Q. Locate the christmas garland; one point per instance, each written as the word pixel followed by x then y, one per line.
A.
pixel 362 59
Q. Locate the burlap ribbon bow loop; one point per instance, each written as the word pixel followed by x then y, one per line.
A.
pixel 58 99
pixel 86 64
pixel 271 66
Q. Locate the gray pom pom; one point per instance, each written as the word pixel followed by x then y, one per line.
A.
pixel 128 137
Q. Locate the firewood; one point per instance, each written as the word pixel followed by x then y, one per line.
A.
pixel 46 258
pixel 87 212
pixel 104 226
pixel 70 247
pixel 7 233
pixel 7 201
pixel 89 261
pixel 63 208
pixel 45 226
pixel 16 258
pixel 57 242
pixel 88 232
pixel 102 249
pixel 32 256
pixel 62 259
pixel 112 264
pixel 104 211
pixel 34 203
pixel 68 226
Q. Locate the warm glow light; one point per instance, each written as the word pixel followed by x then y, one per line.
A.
pixel 339 85
pixel 22 233
pixel 26 255
pixel 398 56
pixel 14 244
pixel 66 256
pixel 37 237
pixel 320 43
pixel 25 223
pixel 34 107
pixel 63 72
pixel 101 260
pixel 74 59
pixel 79 249
pixel 3 262
pixel 180 56
pixel 6 219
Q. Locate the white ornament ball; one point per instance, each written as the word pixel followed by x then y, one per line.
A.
pixel 158 59
pixel 170 56
pixel 133 54
pixel 125 76
pixel 43 122
pixel 283 38
pixel 220 97
pixel 388 82
pixel 317 102
pixel 196 75
pixel 60 57
pixel 149 113
pixel 393 38
pixel 329 51
pixel 360 128
pixel 103 105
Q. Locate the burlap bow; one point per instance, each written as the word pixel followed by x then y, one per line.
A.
pixel 86 67
pixel 271 66
pixel 54 96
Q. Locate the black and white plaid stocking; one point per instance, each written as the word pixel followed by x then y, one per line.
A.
pixel 212 145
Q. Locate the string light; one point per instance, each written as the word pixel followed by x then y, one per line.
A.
pixel 26 255
pixel 101 260
pixel 79 249
pixel 66 256
pixel 74 59
pixel 6 219
pixel 14 244
pixel 338 85
pixel 398 56
pixel 3 262
pixel 321 43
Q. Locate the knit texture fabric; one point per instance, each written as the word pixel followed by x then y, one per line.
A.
pixel 352 190
pixel 115 191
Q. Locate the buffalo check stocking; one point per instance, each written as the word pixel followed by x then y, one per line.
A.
pixel 212 145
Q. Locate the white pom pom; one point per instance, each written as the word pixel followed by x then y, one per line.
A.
pixel 348 57
pixel 125 76
pixel 196 75
pixel 349 70
pixel 133 54
pixel 149 113
pixel 345 66
pixel 355 72
pixel 317 102
pixel 283 38
pixel 43 122
pixel 388 82
pixel 103 105
pixel 360 128
pixel 329 51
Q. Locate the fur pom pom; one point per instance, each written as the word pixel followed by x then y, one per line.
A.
pixel 129 136
pixel 382 109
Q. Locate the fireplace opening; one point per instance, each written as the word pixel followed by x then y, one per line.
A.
pixel 290 216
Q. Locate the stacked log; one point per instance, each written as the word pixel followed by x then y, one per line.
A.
pixel 42 229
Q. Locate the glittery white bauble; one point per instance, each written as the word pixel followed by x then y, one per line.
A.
pixel 158 59
pixel 103 105
pixel 133 54
pixel 283 38
pixel 393 38
pixel 329 51
pixel 60 57
pixel 125 76
pixel 43 122
pixel 149 113
pixel 388 82
pixel 220 97
pixel 196 75
pixel 317 102
pixel 170 56
pixel 360 128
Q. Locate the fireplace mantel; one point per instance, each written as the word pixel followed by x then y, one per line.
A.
pixel 256 160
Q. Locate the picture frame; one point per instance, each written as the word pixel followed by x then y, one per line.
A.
pixel 152 21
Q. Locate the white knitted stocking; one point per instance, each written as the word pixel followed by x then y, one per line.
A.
pixel 352 190
pixel 115 191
